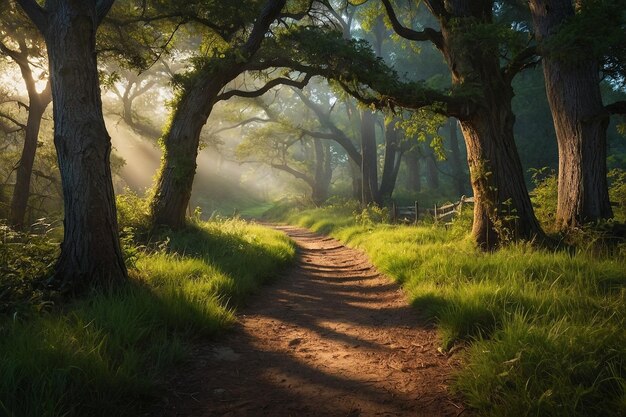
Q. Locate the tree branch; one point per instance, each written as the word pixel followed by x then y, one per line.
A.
pixel 521 62
pixel 297 174
pixel 619 107
pixel 268 86
pixel 14 121
pixel 36 14
pixel 268 14
pixel 102 9
pixel 242 123
pixel 336 134
pixel 427 34
pixel 16 56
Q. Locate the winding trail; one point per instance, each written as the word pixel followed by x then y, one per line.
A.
pixel 331 338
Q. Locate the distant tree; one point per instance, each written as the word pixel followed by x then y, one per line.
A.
pixel 129 86
pixel 90 253
pixel 20 43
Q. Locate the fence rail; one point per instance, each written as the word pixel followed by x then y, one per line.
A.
pixel 412 214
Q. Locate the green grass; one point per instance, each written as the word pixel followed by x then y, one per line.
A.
pixel 545 330
pixel 103 355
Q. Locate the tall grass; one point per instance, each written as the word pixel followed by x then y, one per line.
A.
pixel 103 355
pixel 545 329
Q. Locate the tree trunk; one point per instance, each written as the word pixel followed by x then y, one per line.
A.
pixel 357 180
pixel 36 107
pixel 580 121
pixel 322 179
pixel 90 253
pixel 460 179
pixel 432 173
pixel 391 162
pixel 369 164
pixel 502 208
pixel 178 167
pixel 127 107
pixel 414 181
pixel 180 149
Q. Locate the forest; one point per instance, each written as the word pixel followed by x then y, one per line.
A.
pixel 313 208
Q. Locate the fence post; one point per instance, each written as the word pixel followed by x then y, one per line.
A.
pixel 435 214
pixel 461 204
pixel 417 212
pixel 394 211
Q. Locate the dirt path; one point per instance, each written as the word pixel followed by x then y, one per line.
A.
pixel 331 338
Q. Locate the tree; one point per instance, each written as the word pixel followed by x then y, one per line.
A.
pixel 128 86
pixel 90 253
pixel 571 69
pixel 19 42
pixel 198 93
pixel 502 209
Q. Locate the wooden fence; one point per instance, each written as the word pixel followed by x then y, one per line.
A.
pixel 412 214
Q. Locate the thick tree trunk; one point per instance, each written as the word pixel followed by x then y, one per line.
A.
pixel 502 209
pixel 180 149
pixel 460 178
pixel 369 163
pixel 90 252
pixel 21 192
pixel 414 180
pixel 178 167
pixel 580 121
pixel 391 164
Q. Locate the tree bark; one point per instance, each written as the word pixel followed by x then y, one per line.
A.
pixel 460 178
pixel 90 253
pixel 414 180
pixel 180 148
pixel 369 163
pixel 391 165
pixel 502 209
pixel 323 172
pixel 37 105
pixel 580 121
pixel 175 178
pixel 357 180
pixel 432 172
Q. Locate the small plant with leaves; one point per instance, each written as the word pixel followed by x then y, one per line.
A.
pixel 372 215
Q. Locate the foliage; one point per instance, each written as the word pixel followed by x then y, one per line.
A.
pixel 105 354
pixel 544 197
pixel 617 193
pixel 423 124
pixel 25 261
pixel 544 329
pixel 595 31
pixel 132 211
pixel 371 215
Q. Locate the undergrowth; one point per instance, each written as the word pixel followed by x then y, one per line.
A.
pixel 104 354
pixel 544 328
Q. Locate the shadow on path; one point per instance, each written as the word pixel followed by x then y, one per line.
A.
pixel 331 338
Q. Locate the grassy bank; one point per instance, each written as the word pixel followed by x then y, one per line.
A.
pixel 103 355
pixel 544 329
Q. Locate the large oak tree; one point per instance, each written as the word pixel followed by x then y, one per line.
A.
pixel 502 209
pixel 90 252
